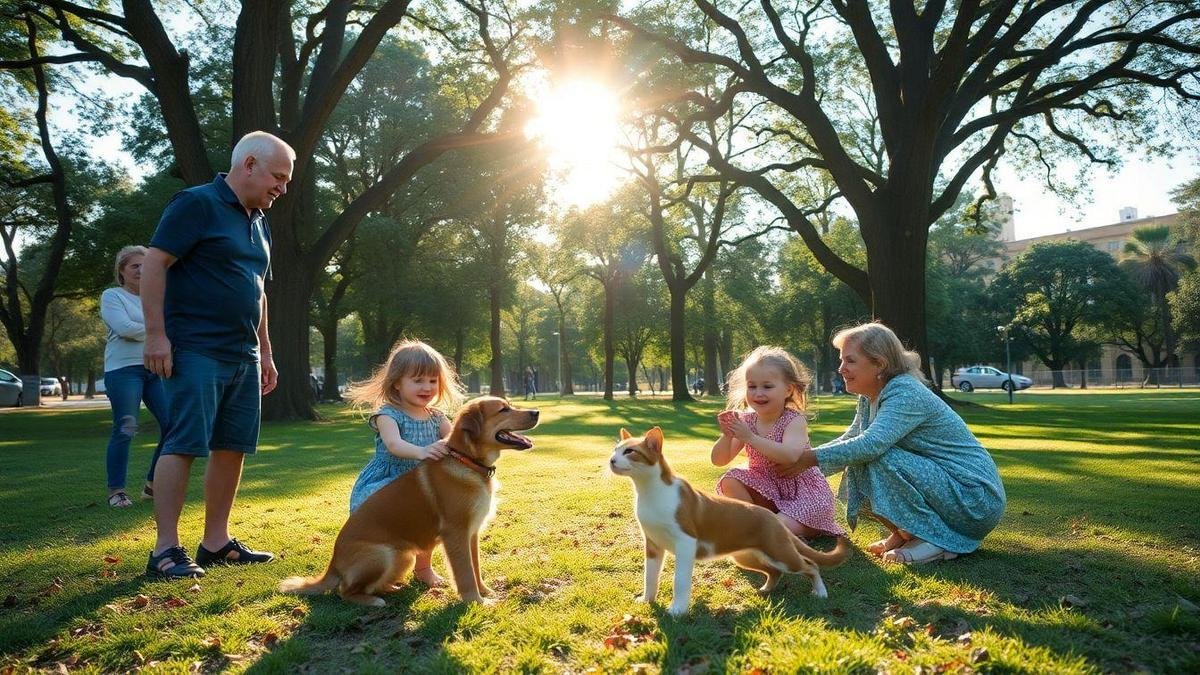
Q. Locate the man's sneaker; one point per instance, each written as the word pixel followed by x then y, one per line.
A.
pixel 233 553
pixel 173 563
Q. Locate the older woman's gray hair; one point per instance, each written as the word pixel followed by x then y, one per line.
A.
pixel 123 257
pixel 878 343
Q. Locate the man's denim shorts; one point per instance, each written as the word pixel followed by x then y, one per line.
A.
pixel 214 405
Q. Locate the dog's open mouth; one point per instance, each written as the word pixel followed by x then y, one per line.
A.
pixel 514 439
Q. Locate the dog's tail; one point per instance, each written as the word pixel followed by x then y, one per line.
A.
pixel 825 558
pixel 311 585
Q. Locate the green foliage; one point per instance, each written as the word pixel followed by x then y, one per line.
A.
pixel 1091 570
pixel 1053 293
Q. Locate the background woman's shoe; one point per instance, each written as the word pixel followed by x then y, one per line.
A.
pixel 119 500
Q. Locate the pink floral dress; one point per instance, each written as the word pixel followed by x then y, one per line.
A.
pixel 805 497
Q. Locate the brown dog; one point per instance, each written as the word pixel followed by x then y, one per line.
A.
pixel 447 502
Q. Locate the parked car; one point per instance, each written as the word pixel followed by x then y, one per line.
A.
pixel 987 377
pixel 51 387
pixel 10 389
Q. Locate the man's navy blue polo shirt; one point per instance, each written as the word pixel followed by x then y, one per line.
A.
pixel 214 290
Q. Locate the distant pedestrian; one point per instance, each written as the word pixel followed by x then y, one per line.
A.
pixel 530 383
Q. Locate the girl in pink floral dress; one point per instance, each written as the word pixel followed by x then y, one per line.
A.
pixel 766 418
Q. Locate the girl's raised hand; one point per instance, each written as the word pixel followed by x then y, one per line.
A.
pixel 435 450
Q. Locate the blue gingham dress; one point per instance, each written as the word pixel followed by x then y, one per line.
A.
pixel 385 467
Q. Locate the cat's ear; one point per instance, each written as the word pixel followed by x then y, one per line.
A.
pixel 654 439
pixel 625 434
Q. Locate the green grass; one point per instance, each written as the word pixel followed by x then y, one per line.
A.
pixel 1094 567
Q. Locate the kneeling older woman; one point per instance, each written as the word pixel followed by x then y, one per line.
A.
pixel 910 462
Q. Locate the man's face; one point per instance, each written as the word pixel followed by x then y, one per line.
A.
pixel 266 178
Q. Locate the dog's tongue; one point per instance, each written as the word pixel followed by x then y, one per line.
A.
pixel 514 436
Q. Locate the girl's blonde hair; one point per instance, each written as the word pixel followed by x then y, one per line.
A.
pixel 411 358
pixel 795 375
pixel 879 344
pixel 123 257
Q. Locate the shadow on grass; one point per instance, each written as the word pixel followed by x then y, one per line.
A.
pixel 336 635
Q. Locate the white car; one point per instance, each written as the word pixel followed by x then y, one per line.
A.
pixel 51 387
pixel 987 377
pixel 10 389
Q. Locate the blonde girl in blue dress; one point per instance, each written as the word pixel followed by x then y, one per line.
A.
pixel 411 394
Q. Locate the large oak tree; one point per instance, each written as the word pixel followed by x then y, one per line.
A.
pixel 292 64
pixel 902 105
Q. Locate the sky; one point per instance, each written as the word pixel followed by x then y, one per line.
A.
pixel 1143 184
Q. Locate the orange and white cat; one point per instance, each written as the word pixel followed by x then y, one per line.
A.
pixel 694 526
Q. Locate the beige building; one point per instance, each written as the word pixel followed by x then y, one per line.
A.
pixel 1115 367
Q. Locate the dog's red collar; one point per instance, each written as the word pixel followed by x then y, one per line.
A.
pixel 481 469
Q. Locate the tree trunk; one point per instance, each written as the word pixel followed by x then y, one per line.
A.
pixel 610 292
pixel 565 387
pixel 288 297
pixel 460 348
pixel 708 297
pixel 329 391
pixel 897 282
pixel 497 388
pixel 632 366
pixel 679 383
pixel 90 393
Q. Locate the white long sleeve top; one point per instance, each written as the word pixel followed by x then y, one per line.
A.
pixel 122 313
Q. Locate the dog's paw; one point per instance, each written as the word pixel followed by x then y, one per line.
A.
pixel 487 592
pixel 677 610
pixel 819 589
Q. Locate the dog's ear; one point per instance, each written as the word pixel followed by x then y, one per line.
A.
pixel 625 434
pixel 654 439
pixel 470 421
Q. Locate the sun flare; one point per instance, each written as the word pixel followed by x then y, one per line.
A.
pixel 578 125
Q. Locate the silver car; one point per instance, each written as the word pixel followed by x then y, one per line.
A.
pixel 51 387
pixel 987 377
pixel 10 389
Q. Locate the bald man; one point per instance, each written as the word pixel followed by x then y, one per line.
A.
pixel 206 336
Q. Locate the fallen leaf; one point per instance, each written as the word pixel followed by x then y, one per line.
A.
pixel 213 642
pixel 139 601
pixel 299 611
pixel 108 574
pixel 1069 601
pixel 979 655
pixel 54 588
pixel 239 583
pixel 270 639
pixel 111 559
pixel 172 603
pixel 137 656
pixel 696 666
pixel 616 641
pixel 965 639
pixel 614 514
pixel 194 588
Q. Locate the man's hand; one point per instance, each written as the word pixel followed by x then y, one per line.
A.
pixel 807 460
pixel 156 354
pixel 270 376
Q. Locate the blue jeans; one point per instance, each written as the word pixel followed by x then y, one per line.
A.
pixel 127 388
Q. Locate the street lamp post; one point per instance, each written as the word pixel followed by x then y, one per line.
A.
pixel 559 378
pixel 1007 362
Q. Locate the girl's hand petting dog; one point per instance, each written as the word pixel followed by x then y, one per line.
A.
pixel 435 450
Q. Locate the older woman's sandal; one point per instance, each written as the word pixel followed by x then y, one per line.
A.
pixel 173 563
pixel 918 552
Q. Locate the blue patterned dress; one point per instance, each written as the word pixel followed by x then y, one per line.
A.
pixel 913 461
pixel 385 467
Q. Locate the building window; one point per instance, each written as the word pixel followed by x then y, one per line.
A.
pixel 1113 245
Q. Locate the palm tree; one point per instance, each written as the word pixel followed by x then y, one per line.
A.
pixel 1155 261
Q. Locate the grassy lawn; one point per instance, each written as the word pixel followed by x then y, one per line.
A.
pixel 1095 566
